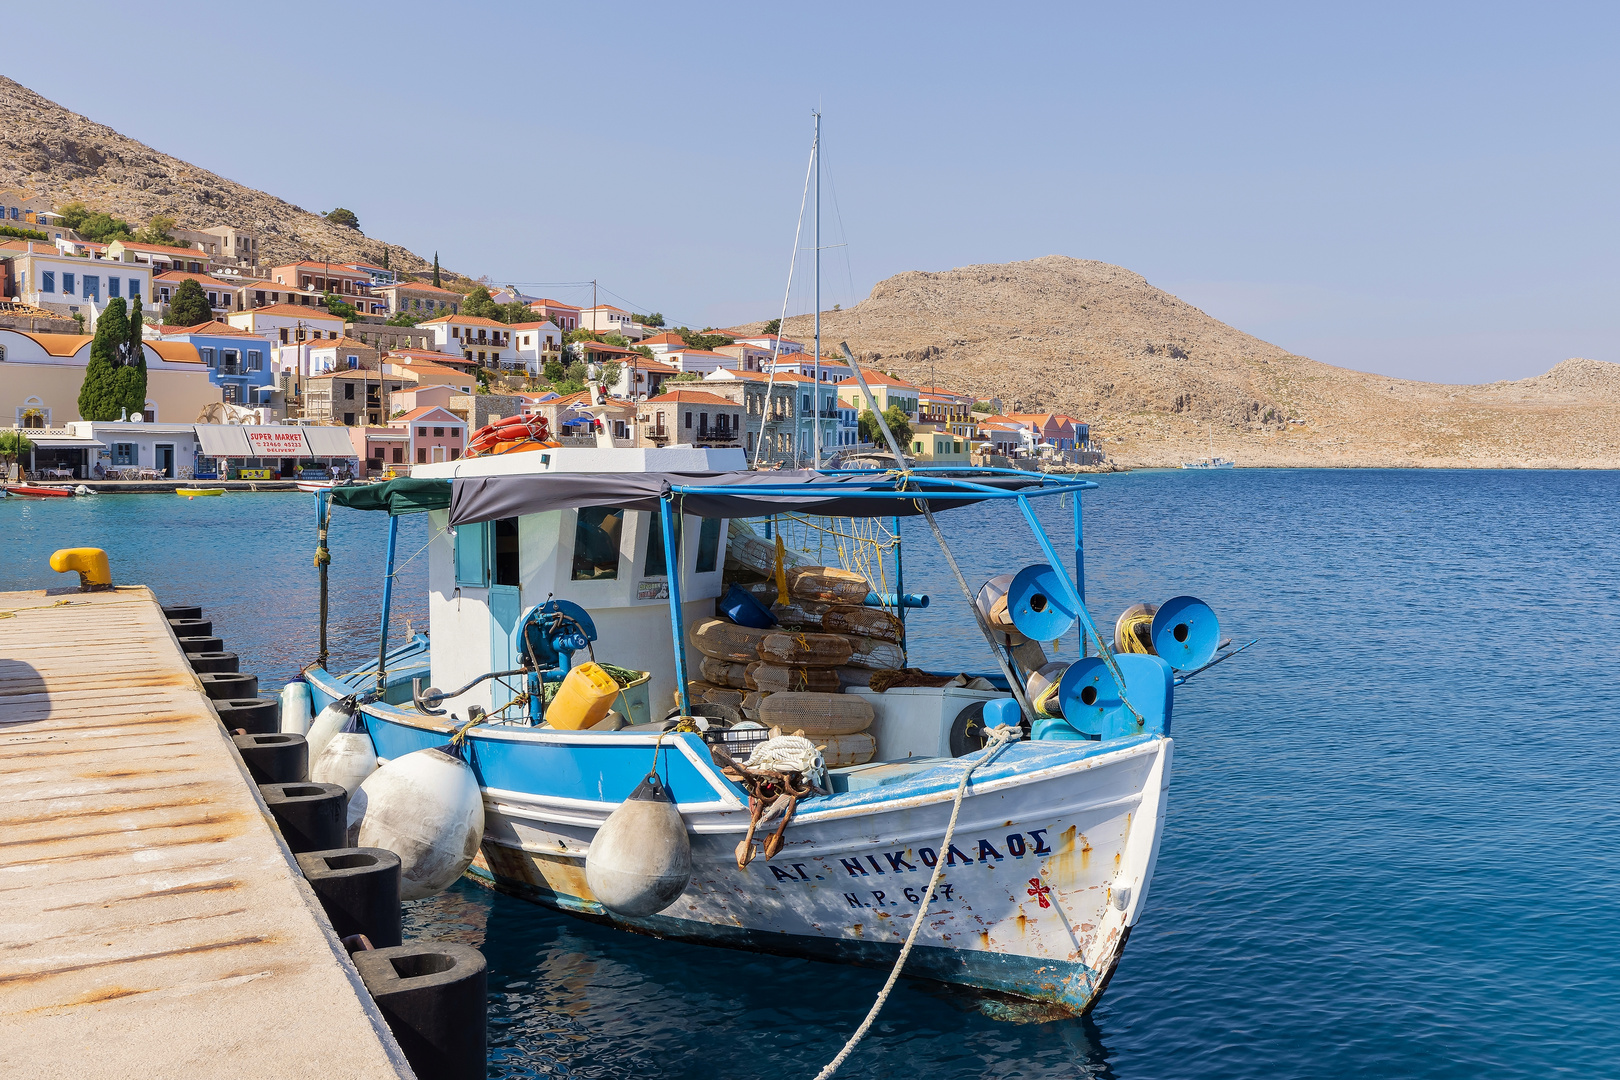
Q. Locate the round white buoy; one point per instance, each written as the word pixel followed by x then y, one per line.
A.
pixel 333 719
pixel 640 860
pixel 348 758
pixel 426 808
pixel 296 708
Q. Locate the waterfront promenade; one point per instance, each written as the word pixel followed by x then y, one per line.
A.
pixel 152 923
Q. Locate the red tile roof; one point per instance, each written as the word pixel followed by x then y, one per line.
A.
pixel 875 379
pixel 694 397
pixel 313 311
pixel 464 320
pixel 419 286
pixel 553 304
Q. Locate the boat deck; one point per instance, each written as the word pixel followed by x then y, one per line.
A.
pixel 152 923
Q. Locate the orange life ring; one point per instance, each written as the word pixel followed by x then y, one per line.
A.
pixel 490 437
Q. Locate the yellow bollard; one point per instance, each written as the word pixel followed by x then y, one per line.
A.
pixel 91 563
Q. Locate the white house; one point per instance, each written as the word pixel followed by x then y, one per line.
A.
pixel 483 341
pixel 768 342
pixel 288 323
pixel 66 284
pixel 607 319
pixel 699 361
pixel 534 343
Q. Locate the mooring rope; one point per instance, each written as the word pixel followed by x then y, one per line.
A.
pixel 1002 737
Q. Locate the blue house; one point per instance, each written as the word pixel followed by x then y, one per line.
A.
pixel 238 362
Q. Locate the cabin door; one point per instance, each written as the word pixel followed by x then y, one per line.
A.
pixel 505 608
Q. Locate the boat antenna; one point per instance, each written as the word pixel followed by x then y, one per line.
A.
pixel 815 397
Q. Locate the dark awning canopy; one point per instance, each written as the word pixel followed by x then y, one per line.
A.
pixel 720 495
pixel 406 495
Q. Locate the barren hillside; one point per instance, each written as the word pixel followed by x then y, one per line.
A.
pixel 48 152
pixel 1158 378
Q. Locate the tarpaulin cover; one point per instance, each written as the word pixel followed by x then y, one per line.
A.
pixel 746 494
pixel 223 440
pixel 403 496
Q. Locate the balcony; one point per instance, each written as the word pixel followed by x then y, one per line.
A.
pixel 717 437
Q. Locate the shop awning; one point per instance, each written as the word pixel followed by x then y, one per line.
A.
pixel 223 440
pixel 407 495
pixel 60 442
pixel 327 442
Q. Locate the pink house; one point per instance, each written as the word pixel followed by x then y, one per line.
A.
pixel 433 433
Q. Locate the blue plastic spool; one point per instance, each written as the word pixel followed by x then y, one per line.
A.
pixel 741 607
pixel 1038 603
pixel 1093 708
pixel 1186 632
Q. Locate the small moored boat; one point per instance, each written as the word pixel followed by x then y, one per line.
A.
pixel 194 493
pixel 40 491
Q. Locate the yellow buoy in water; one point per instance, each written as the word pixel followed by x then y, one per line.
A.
pixel 91 563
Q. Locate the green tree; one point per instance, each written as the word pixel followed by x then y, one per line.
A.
pixel 158 231
pixel 189 306
pixel 340 307
pixel 705 341
pixel 609 373
pixel 514 312
pixel 774 326
pixel 655 319
pixel 436 283
pixel 104 229
pixel 617 339
pixel 899 425
pixel 554 371
pixel 13 445
pixel 385 258
pixel 478 303
pixel 642 350
pixel 73 214
pixel 582 335
pixel 103 395
pixel 346 218
pixel 403 318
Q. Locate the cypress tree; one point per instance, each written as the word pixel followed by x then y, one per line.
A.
pixel 131 381
pixel 99 396
pixel 436 284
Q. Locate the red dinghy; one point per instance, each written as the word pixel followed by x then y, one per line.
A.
pixel 39 492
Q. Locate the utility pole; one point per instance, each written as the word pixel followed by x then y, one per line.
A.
pixel 593 304
pixel 815 417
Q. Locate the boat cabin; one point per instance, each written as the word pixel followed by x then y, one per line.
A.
pixel 483 577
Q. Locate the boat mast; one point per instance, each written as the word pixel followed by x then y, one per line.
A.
pixel 815 398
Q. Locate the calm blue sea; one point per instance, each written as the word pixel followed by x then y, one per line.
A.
pixel 1393 846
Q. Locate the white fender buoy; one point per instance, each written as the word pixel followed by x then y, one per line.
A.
pixel 426 808
pixel 640 859
pixel 348 758
pixel 333 719
pixel 296 708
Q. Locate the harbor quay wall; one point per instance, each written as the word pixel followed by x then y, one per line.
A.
pixel 154 923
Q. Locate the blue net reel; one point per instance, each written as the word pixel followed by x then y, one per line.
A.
pixel 1038 603
pixel 552 632
pixel 1186 632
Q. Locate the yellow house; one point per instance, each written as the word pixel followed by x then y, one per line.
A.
pixel 932 447
pixel 887 391
pixel 41 374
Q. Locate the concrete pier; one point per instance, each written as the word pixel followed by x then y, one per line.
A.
pixel 152 923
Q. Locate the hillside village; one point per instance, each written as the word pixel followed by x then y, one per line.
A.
pixel 410 370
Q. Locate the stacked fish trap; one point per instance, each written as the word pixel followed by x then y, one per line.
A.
pixel 792 675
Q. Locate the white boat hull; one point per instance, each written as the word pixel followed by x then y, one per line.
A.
pixel 1047 873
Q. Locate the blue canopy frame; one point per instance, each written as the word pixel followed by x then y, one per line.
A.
pixel 933 482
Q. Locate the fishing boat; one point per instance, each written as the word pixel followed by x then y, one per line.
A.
pixel 40 491
pixel 1211 462
pixel 1057 819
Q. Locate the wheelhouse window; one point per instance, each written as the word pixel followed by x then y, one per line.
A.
pixel 708 550
pixel 596 543
pixel 506 552
pixel 656 566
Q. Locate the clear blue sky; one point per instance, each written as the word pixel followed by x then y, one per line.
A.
pixel 1424 191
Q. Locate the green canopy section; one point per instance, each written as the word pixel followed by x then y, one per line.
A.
pixel 407 495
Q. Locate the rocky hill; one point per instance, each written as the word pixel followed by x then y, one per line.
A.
pixel 1163 382
pixel 48 152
